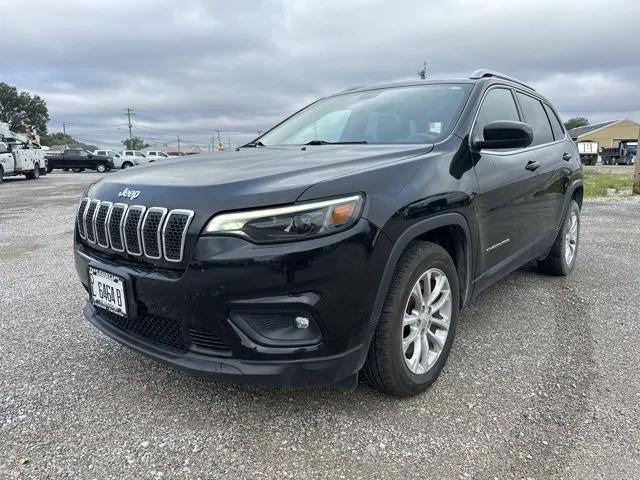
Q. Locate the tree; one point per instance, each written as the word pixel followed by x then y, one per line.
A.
pixel 57 138
pixel 21 108
pixel 576 122
pixel 135 143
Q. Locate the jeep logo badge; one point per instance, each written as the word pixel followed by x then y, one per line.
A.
pixel 130 194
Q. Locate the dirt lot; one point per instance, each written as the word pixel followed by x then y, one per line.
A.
pixel 543 380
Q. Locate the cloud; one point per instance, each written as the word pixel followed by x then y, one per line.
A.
pixel 191 67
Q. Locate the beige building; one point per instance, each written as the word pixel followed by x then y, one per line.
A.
pixel 607 134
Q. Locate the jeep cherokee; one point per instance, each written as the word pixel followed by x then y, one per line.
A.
pixel 344 240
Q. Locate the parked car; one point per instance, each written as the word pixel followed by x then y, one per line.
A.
pixel 156 155
pixel 118 160
pixel 78 160
pixel 349 248
pixel 138 156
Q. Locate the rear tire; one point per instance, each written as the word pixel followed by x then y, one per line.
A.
pixel 562 256
pixel 49 169
pixel 77 170
pixel 1 174
pixel 390 364
pixel 35 173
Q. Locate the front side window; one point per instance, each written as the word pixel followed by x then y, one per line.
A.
pixel 536 117
pixel 498 104
pixel 398 115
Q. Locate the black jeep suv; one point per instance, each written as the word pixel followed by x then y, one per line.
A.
pixel 346 239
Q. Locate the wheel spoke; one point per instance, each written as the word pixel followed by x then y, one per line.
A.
pixel 436 340
pixel 424 350
pixel 437 289
pixel 444 298
pixel 442 323
pixel 409 339
pixel 410 319
pixel 417 294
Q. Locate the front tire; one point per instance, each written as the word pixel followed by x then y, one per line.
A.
pixel 101 168
pixel 418 322
pixel 127 165
pixel 562 256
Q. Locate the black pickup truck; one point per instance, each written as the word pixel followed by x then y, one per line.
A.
pixel 79 160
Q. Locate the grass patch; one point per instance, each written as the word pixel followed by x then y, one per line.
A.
pixel 597 184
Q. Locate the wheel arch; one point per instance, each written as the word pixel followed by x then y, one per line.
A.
pixel 449 230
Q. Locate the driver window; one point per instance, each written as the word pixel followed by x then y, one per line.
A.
pixel 498 104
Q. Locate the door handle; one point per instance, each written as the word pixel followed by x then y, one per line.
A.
pixel 567 156
pixel 532 166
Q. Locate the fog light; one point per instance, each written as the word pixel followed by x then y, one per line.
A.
pixel 301 322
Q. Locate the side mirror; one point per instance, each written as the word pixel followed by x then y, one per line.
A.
pixel 505 134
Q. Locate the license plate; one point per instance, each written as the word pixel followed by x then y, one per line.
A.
pixel 107 291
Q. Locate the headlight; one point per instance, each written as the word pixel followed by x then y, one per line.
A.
pixel 285 224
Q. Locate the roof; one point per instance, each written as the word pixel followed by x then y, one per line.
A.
pixel 580 131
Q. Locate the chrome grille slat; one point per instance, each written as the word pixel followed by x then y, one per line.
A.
pixel 89 214
pixel 102 215
pixel 114 226
pixel 174 234
pixel 151 232
pixel 80 216
pixel 131 229
pixel 155 232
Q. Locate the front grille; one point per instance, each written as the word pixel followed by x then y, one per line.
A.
pixel 153 232
pixel 159 330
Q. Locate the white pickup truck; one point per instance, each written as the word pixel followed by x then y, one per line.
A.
pixel 119 161
pixel 18 156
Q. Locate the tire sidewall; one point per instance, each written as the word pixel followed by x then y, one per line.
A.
pixel 441 261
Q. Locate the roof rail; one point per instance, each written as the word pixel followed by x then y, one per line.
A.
pixel 483 73
pixel 350 89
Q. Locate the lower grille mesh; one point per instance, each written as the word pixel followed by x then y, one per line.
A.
pixel 162 331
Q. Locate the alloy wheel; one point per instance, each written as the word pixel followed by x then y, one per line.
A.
pixel 426 321
pixel 571 239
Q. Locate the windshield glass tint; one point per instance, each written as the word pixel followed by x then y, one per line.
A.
pixel 416 114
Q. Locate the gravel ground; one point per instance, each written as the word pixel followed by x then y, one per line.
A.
pixel 542 381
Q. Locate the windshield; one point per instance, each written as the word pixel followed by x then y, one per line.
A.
pixel 415 114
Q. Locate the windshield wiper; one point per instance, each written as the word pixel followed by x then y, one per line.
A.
pixel 324 142
pixel 252 144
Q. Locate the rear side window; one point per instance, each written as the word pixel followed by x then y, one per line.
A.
pixel 498 104
pixel 536 117
pixel 556 126
pixel 129 154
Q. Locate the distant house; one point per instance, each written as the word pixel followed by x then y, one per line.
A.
pixel 607 134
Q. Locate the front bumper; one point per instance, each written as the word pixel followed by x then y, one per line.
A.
pixel 332 281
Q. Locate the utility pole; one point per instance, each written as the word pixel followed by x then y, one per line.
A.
pixel 179 151
pixel 422 73
pixel 129 113
pixel 229 142
pixel 636 176
pixel 64 128
pixel 219 140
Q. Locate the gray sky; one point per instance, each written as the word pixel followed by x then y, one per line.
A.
pixel 190 67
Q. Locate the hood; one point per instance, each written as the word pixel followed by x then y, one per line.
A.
pixel 248 178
